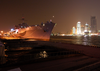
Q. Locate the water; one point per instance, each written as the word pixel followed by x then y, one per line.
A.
pixel 82 40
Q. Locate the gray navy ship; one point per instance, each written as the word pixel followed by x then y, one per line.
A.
pixel 37 32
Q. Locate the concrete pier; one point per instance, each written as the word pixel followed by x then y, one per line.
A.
pixel 2 54
pixel 90 61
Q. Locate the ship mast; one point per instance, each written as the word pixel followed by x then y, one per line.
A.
pixel 23 19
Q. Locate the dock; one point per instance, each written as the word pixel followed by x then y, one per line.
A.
pixel 2 53
pixel 89 60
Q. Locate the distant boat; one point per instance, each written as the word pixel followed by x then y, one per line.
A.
pixel 37 32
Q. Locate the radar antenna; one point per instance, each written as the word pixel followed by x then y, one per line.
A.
pixel 23 19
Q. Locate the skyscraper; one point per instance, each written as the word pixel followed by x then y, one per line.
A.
pixel 93 25
pixel 86 28
pixel 82 29
pixel 73 30
pixel 78 27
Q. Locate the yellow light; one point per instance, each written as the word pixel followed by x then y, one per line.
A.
pixel 63 34
pixel 1 31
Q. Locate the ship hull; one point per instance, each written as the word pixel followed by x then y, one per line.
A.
pixel 41 32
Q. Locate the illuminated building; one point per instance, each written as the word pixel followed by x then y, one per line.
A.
pixel 93 25
pixel 1 32
pixel 98 32
pixel 86 31
pixel 73 30
pixel 86 28
pixel 82 29
pixel 78 27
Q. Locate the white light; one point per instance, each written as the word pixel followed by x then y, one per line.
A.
pixel 12 29
pixel 79 22
pixel 94 34
pixel 16 30
pixel 85 30
pixel 89 31
pixel 43 24
pixel 86 24
pixel 63 34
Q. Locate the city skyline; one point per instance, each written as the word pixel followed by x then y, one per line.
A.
pixel 66 13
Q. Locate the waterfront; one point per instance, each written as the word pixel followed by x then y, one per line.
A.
pixel 22 52
pixel 51 52
pixel 81 40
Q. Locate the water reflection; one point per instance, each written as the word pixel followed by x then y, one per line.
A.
pixel 85 40
pixel 82 40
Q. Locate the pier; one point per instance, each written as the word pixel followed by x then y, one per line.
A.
pixel 2 53
pixel 84 58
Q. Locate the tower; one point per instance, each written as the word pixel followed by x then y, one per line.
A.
pixel 82 29
pixel 73 30
pixel 86 28
pixel 93 25
pixel 78 27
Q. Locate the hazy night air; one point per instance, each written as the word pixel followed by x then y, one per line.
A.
pixel 66 13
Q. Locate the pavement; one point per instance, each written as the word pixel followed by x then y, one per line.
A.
pixel 82 63
pixel 90 61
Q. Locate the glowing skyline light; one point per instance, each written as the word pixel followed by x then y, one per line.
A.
pixel 1 31
pixel 78 27
pixel 79 22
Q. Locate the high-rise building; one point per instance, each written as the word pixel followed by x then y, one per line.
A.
pixel 78 27
pixel 93 25
pixel 82 29
pixel 73 30
pixel 86 28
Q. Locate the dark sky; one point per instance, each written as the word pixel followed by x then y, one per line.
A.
pixel 67 12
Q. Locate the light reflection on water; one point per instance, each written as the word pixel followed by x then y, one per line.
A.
pixel 88 40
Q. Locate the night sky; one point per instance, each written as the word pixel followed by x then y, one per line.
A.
pixel 66 13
